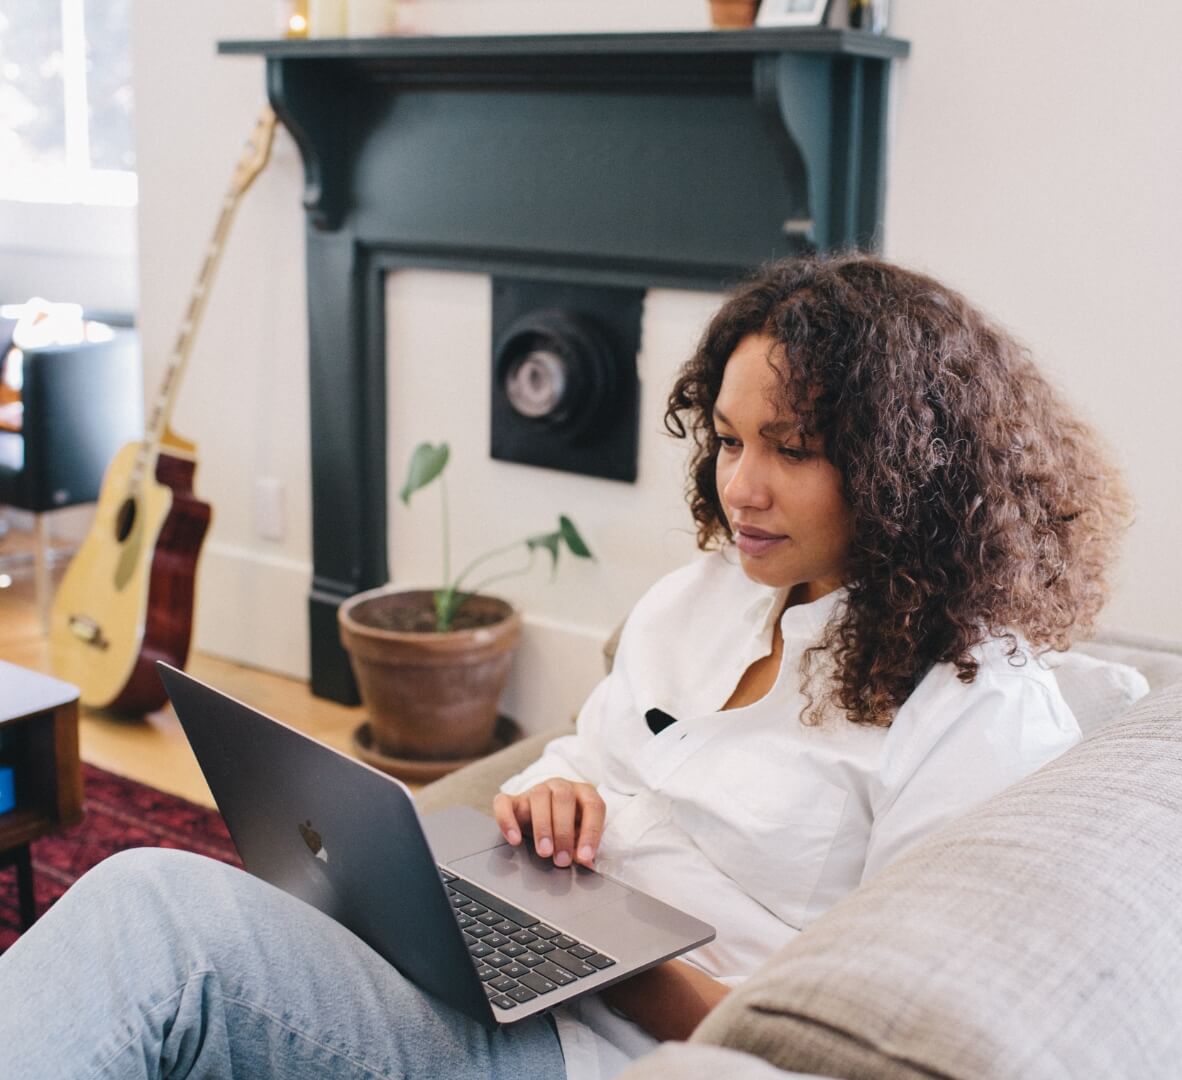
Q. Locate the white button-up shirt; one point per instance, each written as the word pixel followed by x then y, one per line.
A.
pixel 750 819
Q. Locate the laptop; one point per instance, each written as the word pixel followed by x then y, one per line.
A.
pixel 492 930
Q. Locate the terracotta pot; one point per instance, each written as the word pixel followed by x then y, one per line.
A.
pixel 428 695
pixel 733 14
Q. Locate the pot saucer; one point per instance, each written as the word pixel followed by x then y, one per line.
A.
pixel 424 770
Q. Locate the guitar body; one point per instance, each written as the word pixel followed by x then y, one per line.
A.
pixel 126 600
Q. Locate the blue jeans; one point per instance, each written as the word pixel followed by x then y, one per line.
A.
pixel 162 963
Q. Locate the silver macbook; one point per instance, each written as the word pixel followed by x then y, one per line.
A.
pixel 495 931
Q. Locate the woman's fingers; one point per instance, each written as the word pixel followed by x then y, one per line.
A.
pixel 564 809
pixel 590 824
pixel 504 810
pixel 566 819
pixel 541 819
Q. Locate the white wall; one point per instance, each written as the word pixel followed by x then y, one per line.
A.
pixel 1031 165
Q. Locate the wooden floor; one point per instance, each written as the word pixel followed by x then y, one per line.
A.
pixel 154 750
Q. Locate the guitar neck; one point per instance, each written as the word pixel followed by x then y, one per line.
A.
pixel 178 359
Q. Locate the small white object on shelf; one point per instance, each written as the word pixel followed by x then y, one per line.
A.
pixel 370 18
pixel 791 13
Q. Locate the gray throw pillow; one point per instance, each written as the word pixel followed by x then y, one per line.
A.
pixel 1038 937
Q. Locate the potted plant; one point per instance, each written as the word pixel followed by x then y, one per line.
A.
pixel 733 14
pixel 431 664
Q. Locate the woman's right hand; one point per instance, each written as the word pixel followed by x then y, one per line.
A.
pixel 564 816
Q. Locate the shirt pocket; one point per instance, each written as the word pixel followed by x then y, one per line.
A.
pixel 769 825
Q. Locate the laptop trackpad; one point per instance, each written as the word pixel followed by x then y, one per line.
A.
pixel 536 884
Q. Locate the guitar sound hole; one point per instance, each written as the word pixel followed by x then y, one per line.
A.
pixel 125 520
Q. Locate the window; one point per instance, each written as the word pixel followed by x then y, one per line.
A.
pixel 66 105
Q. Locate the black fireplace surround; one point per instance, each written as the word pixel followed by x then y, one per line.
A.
pixel 640 160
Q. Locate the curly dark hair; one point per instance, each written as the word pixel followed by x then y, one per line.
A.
pixel 982 506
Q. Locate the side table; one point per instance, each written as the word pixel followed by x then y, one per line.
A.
pixel 39 742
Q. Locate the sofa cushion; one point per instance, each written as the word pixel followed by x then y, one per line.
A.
pixel 1039 936
pixel 1098 691
pixel 1159 660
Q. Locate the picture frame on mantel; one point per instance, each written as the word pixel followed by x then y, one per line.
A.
pixel 792 13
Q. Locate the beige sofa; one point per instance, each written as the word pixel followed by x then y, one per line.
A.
pixel 1039 936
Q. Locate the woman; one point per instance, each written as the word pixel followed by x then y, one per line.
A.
pixel 902 516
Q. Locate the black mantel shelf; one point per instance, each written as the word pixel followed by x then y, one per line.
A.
pixel 673 159
pixel 534 48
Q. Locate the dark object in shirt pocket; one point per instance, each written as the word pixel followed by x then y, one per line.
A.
pixel 658 720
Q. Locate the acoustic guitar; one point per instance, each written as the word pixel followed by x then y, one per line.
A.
pixel 126 599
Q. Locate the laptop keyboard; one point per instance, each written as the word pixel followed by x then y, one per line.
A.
pixel 517 957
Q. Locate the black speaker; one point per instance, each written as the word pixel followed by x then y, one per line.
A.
pixel 565 389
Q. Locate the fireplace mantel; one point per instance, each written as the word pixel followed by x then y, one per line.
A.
pixel 659 159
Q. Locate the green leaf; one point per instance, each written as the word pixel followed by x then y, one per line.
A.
pixel 549 541
pixel 446 604
pixel 573 540
pixel 426 463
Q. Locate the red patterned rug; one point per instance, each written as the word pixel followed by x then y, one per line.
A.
pixel 120 814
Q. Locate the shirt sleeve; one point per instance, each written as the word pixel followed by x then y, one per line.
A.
pixel 956 758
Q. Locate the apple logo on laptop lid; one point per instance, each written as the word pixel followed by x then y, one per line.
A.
pixel 313 840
